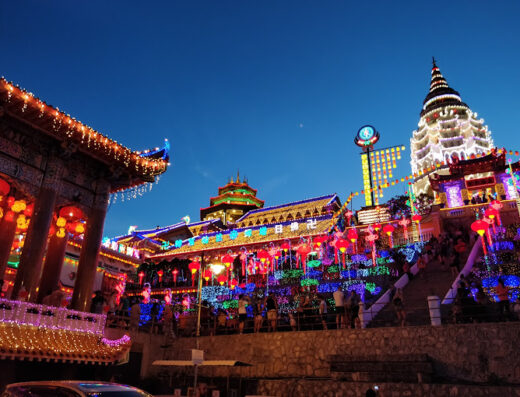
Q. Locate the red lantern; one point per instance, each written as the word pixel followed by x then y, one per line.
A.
pixel 141 276
pixel 160 273
pixel 175 272
pixel 194 267
pixel 4 188
pixel 233 283
pixel 221 279
pixel 318 241
pixel 480 227
pixel 71 213
pixel 342 245
pixel 9 216
pixel 377 227
pixel 388 229
pixel 285 246
pixel 352 235
pixel 227 260
pixel 29 210
pixel 206 275
pixel 416 218
pixel 263 256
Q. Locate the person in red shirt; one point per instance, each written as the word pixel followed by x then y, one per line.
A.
pixel 503 300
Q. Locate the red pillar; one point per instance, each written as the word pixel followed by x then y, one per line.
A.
pixel 88 259
pixel 29 269
pixel 7 233
pixel 52 266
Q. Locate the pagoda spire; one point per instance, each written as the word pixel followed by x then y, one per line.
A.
pixel 440 94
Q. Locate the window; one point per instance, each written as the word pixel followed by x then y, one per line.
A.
pixel 41 391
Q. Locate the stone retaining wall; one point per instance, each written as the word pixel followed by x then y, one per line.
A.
pixel 308 388
pixel 464 352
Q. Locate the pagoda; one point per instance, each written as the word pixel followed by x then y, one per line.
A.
pixel 447 130
pixel 234 200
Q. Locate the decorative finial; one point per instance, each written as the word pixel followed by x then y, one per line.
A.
pixel 238 175
pixel 434 62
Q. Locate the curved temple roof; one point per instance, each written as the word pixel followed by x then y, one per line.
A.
pixel 24 106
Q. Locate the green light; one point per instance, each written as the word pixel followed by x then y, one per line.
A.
pixel 13 264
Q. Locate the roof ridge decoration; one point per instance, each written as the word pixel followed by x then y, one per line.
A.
pixel 265 209
pixel 64 127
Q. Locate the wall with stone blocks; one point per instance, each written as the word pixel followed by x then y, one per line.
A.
pixel 463 352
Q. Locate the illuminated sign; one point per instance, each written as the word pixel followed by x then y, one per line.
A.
pixel 366 136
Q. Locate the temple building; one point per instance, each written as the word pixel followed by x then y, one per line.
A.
pixel 447 130
pixel 56 178
pixel 233 201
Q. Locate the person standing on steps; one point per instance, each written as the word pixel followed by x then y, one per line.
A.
pixel 339 302
pixel 398 303
pixel 242 312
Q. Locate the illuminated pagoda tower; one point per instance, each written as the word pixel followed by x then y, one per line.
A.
pixel 233 200
pixel 447 129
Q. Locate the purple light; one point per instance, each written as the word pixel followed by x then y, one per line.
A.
pixel 454 197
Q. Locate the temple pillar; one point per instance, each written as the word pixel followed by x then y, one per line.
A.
pixel 52 266
pixel 88 259
pixel 7 233
pixel 29 269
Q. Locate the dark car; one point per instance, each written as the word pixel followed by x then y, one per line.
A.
pixel 71 389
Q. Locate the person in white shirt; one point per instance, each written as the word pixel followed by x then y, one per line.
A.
pixel 323 311
pixel 339 301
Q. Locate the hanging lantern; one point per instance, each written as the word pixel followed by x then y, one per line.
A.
pixel 318 241
pixel 222 279
pixel 75 228
pixel 497 206
pixel 29 210
pixel 194 268
pixel 377 227
pixel 71 213
pixel 342 245
pixel 233 283
pixel 141 277
pixel 4 188
pixel 175 272
pixel 206 275
pixel 352 235
pixel 286 246
pixel 303 250
pixel 227 260
pixel 263 256
pixel 9 216
pixel 481 227
pixel 416 218
pixel 389 229
pixel 160 273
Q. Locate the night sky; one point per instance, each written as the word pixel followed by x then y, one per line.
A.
pixel 277 89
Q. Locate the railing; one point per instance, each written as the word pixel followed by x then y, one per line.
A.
pixel 452 293
pixel 51 317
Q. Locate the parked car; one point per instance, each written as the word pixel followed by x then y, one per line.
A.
pixel 71 389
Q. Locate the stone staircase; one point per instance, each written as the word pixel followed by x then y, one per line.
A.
pixel 410 368
pixel 436 280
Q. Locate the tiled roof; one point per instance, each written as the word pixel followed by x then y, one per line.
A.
pixel 311 226
pixel 28 342
pixel 300 209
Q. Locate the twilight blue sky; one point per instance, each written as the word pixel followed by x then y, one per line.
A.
pixel 275 88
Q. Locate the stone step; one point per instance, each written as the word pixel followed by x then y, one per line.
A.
pixel 380 357
pixel 408 377
pixel 389 367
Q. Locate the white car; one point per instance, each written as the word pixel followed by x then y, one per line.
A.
pixel 71 389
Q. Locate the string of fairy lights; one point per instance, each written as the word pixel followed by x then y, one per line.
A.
pixel 67 127
pixel 421 173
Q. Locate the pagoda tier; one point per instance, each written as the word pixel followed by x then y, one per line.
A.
pixel 233 201
pixel 448 130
